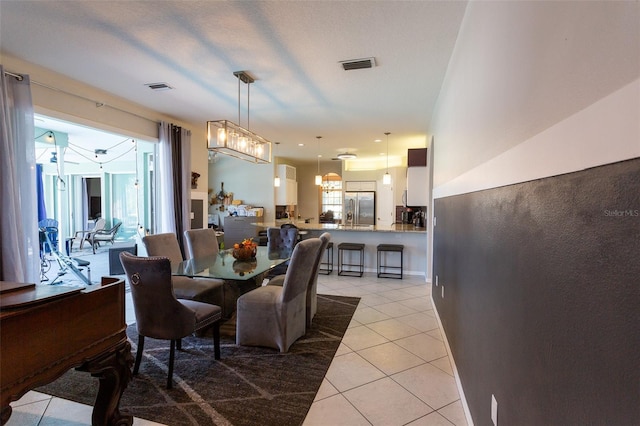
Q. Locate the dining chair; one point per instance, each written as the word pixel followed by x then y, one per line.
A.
pixel 201 243
pixel 159 314
pixel 281 240
pixel 274 316
pixel 208 290
pixel 312 288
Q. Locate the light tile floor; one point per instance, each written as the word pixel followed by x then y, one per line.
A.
pixel 391 368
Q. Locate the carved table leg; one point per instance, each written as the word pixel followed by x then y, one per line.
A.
pixel 114 372
pixel 5 413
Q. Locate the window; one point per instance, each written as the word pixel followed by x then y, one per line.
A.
pixel 331 197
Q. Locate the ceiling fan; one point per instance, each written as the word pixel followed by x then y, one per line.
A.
pixel 54 159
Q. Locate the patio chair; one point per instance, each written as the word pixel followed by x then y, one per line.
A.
pixel 50 228
pixel 84 235
pixel 103 235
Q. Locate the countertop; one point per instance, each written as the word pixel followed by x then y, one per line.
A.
pixel 302 225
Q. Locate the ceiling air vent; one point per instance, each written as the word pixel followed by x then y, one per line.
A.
pixel 357 64
pixel 158 86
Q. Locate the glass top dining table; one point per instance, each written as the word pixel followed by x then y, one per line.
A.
pixel 225 266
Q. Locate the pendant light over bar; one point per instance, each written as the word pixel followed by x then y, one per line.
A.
pixel 318 176
pixel 231 139
pixel 386 179
pixel 276 180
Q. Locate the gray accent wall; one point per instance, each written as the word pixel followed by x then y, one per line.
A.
pixel 541 302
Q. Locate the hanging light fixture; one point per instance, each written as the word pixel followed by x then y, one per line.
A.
pixel 346 156
pixel 318 175
pixel 386 179
pixel 229 138
pixel 276 180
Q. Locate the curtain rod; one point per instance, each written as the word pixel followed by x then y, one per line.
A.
pixel 97 103
pixel 18 77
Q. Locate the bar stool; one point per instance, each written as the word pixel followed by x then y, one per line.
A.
pixel 342 247
pixel 384 267
pixel 326 268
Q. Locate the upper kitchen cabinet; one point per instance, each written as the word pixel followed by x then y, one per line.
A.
pixel 360 185
pixel 417 177
pixel 287 192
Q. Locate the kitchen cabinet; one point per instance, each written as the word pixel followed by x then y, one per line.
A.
pixel 287 192
pixel 360 185
pixel 417 177
pixel 417 157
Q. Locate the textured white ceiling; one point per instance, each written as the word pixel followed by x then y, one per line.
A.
pixel 292 48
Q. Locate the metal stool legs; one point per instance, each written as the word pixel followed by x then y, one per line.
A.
pixel 342 247
pixel 383 268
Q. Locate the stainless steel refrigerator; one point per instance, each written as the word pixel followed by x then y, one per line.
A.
pixel 359 208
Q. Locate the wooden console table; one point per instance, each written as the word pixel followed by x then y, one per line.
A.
pixel 46 330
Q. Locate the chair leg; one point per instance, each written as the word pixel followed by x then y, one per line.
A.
pixel 179 344
pixel 172 353
pixel 136 367
pixel 216 340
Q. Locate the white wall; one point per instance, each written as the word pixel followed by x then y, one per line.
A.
pixel 605 132
pixel 535 89
pixel 249 182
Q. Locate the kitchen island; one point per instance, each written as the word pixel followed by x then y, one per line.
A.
pixel 414 241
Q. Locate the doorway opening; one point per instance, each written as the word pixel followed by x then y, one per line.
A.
pixel 94 198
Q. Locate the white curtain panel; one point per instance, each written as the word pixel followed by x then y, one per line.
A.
pixel 165 217
pixel 19 245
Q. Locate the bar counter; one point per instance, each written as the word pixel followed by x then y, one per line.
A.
pixel 314 226
pixel 413 239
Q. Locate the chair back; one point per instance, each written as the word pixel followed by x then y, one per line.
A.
pixel 48 228
pixel 300 268
pixel 164 245
pixel 99 225
pixel 107 234
pixel 48 223
pixel 282 239
pixel 201 243
pixel 159 314
pixel 325 237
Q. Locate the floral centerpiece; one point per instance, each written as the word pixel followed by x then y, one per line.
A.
pixel 242 267
pixel 245 250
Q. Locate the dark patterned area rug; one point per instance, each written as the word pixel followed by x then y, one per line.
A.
pixel 247 386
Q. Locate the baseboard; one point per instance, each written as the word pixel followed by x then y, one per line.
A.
pixel 463 399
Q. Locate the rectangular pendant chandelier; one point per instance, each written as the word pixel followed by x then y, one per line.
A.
pixel 228 138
